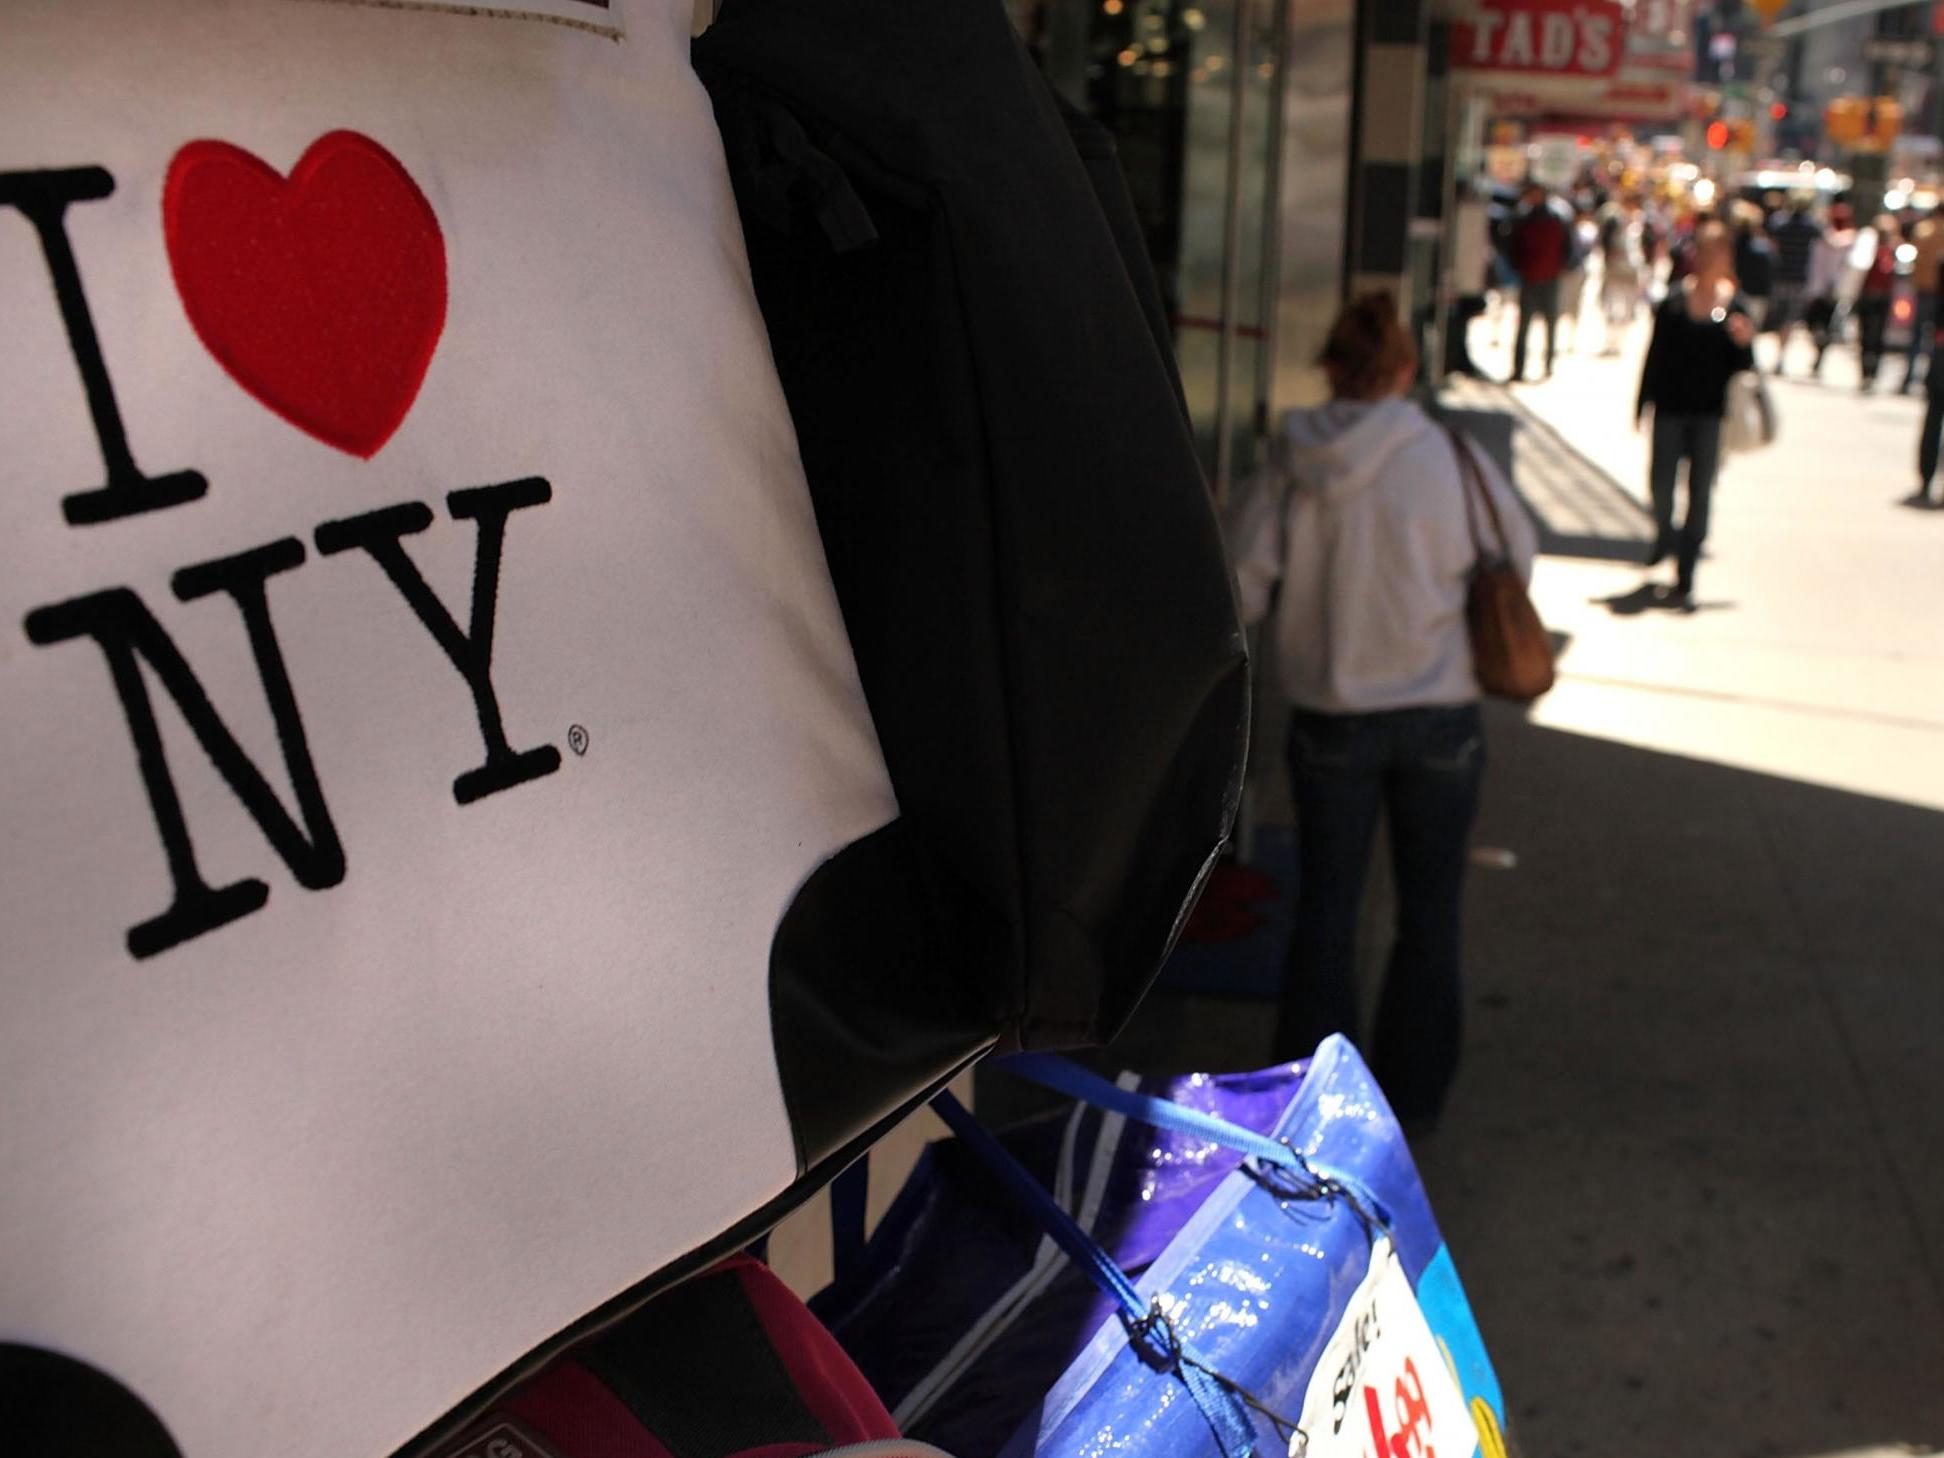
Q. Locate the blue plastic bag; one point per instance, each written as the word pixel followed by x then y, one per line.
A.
pixel 1344 1317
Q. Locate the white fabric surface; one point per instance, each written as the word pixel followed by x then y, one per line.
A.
pixel 302 1181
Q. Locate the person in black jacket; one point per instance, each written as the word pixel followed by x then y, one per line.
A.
pixel 1795 233
pixel 1874 298
pixel 1703 334
pixel 1754 262
pixel 1932 435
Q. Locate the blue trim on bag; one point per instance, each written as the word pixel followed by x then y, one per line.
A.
pixel 1317 1181
pixel 1447 1311
pixel 1149 1331
pixel 849 1197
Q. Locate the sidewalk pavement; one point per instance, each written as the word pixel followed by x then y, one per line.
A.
pixel 1693 1168
pixel 1817 650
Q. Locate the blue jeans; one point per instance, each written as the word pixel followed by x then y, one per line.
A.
pixel 1923 326
pixel 1536 301
pixel 1927 443
pixel 1421 768
pixel 1872 314
pixel 1697 440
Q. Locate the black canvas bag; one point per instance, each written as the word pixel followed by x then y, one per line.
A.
pixel 971 345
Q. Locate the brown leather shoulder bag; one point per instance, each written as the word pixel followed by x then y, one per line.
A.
pixel 1511 651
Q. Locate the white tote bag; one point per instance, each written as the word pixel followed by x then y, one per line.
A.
pixel 1748 417
pixel 423 695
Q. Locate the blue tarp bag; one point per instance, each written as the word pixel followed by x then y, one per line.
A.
pixel 1221 1265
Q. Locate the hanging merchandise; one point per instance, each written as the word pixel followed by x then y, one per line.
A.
pixel 468 867
pixel 1288 1290
pixel 969 338
pixel 727 1365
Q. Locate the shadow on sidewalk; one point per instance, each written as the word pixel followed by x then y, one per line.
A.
pixel 1689 1169
pixel 1655 597
pixel 1579 510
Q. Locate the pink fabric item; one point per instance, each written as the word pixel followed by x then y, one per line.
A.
pixel 568 1407
pixel 569 1412
pixel 822 1372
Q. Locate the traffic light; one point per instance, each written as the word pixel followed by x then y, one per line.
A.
pixel 1886 121
pixel 1871 123
pixel 1846 119
pixel 1717 136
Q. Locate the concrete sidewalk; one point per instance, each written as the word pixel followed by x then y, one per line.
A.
pixel 1696 1167
pixel 1818 652
pixel 1693 1170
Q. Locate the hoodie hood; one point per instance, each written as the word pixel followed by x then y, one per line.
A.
pixel 1338 449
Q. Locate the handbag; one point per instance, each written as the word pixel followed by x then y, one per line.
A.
pixel 1511 652
pixel 1748 415
pixel 395 569
pixel 1196 1275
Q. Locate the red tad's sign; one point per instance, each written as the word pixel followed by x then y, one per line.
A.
pixel 1551 37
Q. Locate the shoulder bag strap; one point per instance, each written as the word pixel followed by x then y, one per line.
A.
pixel 1472 480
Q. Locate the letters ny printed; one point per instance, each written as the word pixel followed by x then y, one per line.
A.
pixel 231 226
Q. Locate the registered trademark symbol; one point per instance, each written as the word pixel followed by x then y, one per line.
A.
pixel 577 739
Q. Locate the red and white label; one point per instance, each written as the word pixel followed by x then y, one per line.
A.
pixel 1381 1388
pixel 1551 37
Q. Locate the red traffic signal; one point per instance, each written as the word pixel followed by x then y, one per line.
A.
pixel 1717 135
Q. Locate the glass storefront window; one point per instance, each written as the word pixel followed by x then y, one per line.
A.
pixel 1235 265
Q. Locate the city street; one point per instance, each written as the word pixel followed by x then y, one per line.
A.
pixel 624 612
pixel 1693 1167
pixel 1817 649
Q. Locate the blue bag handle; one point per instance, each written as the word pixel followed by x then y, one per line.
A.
pixel 1064 1076
pixel 849 1194
pixel 1223 1404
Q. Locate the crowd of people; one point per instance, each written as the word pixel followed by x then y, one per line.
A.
pixel 1551 260
pixel 1717 281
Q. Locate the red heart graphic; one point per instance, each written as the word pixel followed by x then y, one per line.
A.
pixel 323 295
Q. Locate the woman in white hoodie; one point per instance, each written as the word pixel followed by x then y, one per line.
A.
pixel 1369 532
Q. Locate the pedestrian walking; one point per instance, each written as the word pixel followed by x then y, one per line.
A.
pixel 1655 232
pixel 1371 542
pixel 1680 245
pixel 1623 269
pixel 1501 212
pixel 1703 334
pixel 1794 232
pixel 1754 262
pixel 1832 281
pixel 1541 247
pixel 1929 439
pixel 1572 282
pixel 1875 257
pixel 1927 247
pixel 1471 269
